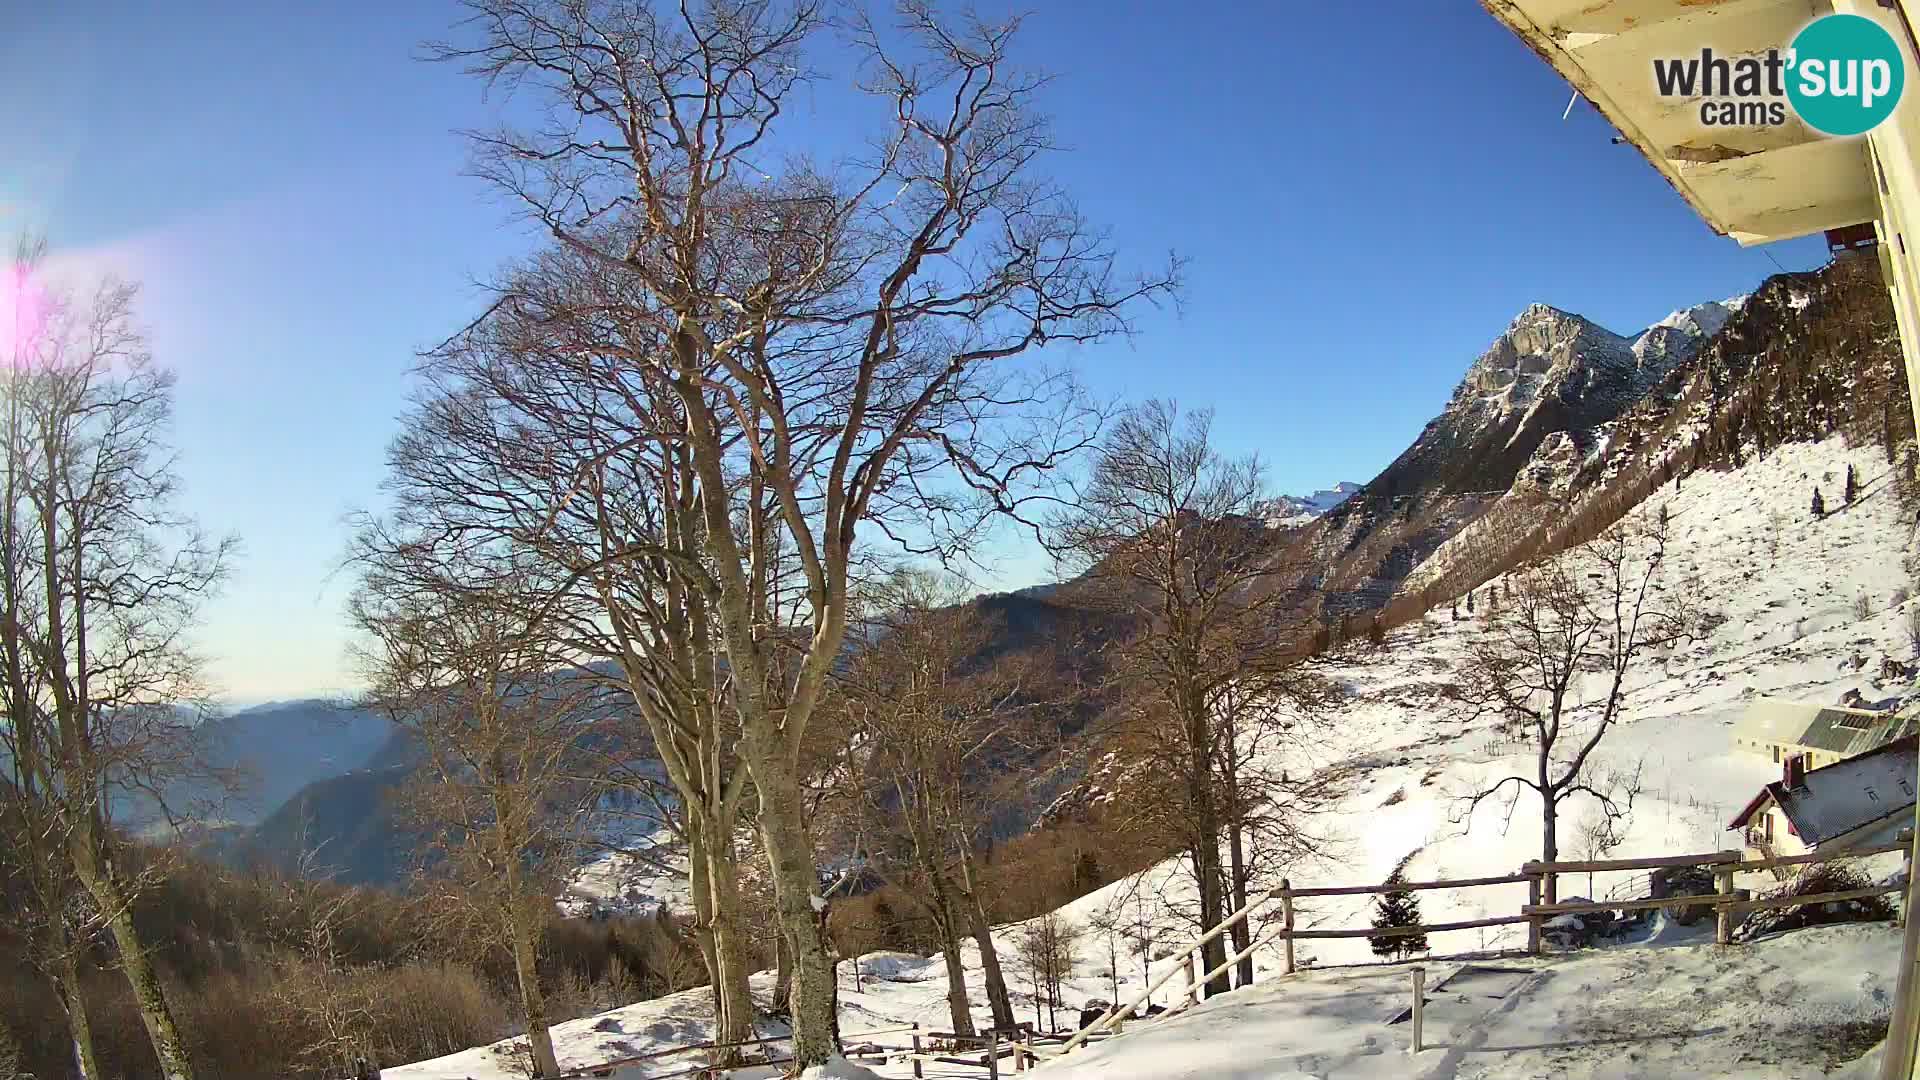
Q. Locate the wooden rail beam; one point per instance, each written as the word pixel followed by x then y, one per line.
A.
pixel 1408 886
pixel 1813 898
pixel 1714 858
pixel 1405 931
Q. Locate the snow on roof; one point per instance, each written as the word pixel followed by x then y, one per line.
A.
pixel 1836 799
pixel 1836 728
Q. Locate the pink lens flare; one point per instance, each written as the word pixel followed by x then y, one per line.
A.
pixel 24 307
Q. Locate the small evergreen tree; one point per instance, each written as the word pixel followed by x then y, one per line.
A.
pixel 1853 485
pixel 1377 632
pixel 1663 515
pixel 1456 611
pixel 1819 504
pixel 1393 910
pixel 1469 603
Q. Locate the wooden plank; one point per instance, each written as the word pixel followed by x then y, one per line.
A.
pixel 1404 931
pixel 1533 923
pixel 1820 857
pixel 1723 915
pixel 1408 886
pixel 1714 858
pixel 1815 898
pixel 1587 907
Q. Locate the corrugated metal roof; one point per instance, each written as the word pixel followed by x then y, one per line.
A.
pixel 1853 731
pixel 1833 728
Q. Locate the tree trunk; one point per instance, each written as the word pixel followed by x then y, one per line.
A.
pixel 1206 868
pixel 148 995
pixel 1550 844
pixel 1205 850
pixel 700 893
pixel 947 920
pixel 1243 930
pixel 532 1001
pixel 782 975
pixel 730 950
pixel 798 904
pixel 998 999
pixel 67 985
pixel 958 1007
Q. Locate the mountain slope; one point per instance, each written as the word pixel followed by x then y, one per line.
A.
pixel 1785 585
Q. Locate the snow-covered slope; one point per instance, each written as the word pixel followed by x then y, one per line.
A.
pixel 1291 510
pixel 1786 586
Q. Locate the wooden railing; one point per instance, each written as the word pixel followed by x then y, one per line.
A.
pixel 1027 1046
pixel 1116 1016
pixel 1724 900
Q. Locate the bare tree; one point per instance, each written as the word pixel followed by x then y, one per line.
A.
pixel 1554 663
pixel 544 425
pixel 1049 947
pixel 1597 835
pixel 102 580
pixel 833 335
pixel 1267 720
pixel 461 655
pixel 936 724
pixel 1171 529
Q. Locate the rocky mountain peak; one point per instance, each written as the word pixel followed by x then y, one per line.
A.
pixel 1542 346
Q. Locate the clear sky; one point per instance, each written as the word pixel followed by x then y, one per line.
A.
pixel 1367 194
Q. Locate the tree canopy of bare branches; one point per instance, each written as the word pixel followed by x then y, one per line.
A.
pixel 461 655
pixel 1554 661
pixel 939 727
pixel 100 581
pixel 1171 529
pixel 833 337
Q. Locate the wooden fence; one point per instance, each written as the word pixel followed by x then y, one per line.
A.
pixel 1026 1046
pixel 1724 900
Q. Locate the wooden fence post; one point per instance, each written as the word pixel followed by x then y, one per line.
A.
pixel 1286 916
pixel 1722 913
pixel 993 1055
pixel 1419 1003
pixel 1533 923
pixel 1195 992
pixel 916 1050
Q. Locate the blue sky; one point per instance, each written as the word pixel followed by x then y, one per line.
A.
pixel 1367 194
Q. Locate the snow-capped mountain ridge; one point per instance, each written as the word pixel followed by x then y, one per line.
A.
pixel 1288 511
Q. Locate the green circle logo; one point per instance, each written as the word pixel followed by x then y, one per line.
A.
pixel 1847 74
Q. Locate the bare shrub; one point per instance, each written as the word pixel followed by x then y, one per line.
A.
pixel 1816 879
pixel 1048 947
pixel 1863 607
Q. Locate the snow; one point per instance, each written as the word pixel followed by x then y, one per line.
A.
pixel 1289 511
pixel 1704 320
pixel 1778 1008
pixel 630 882
pixel 1784 585
pixel 839 1068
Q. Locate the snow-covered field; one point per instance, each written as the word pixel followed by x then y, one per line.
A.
pixel 1792 1006
pixel 1786 585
